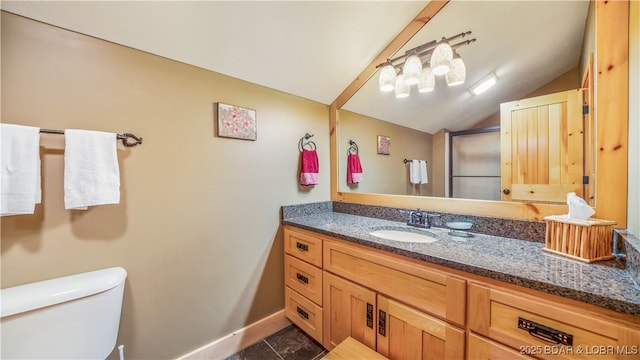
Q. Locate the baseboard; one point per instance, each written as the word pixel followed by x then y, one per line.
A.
pixel 240 339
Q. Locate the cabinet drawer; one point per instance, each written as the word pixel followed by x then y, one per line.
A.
pixel 423 288
pixel 303 278
pixel 485 349
pixel 304 313
pixel 552 330
pixel 303 245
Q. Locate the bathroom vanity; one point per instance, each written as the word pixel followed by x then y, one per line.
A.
pixel 477 298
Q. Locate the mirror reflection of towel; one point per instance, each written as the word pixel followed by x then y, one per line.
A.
pixel 418 172
pixel 309 168
pixel 354 169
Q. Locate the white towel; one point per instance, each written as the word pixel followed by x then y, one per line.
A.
pixel 20 174
pixel 424 178
pixel 418 172
pixel 91 174
pixel 414 172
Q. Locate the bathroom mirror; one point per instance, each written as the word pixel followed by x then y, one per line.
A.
pixel 364 90
pixel 525 44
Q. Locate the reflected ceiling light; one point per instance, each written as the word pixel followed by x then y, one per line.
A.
pixel 484 84
pixel 421 64
pixel 387 78
pixel 412 70
pixel 402 89
pixel 427 80
pixel 457 71
pixel 441 58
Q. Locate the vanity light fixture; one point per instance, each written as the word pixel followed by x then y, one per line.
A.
pixel 484 84
pixel 421 64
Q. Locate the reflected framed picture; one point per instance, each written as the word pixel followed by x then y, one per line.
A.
pixel 384 145
pixel 236 122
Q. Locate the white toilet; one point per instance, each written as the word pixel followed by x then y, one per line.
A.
pixel 72 317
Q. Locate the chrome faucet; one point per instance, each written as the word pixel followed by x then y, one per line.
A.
pixel 420 218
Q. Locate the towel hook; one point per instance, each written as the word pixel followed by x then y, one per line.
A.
pixel 302 144
pixel 353 147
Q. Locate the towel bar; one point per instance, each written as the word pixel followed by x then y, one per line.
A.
pixel 124 137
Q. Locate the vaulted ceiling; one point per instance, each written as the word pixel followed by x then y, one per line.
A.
pixel 314 49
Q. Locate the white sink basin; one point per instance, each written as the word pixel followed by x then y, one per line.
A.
pixel 404 235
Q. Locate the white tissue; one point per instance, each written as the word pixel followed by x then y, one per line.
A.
pixel 578 208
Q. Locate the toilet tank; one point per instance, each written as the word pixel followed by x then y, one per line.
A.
pixel 71 317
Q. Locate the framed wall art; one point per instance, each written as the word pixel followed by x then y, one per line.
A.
pixel 384 145
pixel 236 122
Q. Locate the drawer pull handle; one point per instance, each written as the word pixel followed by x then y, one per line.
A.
pixel 382 323
pixel 545 333
pixel 370 315
pixel 302 247
pixel 302 313
pixel 303 279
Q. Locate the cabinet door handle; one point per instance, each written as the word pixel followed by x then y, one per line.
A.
pixel 302 247
pixel 382 323
pixel 302 313
pixel 303 279
pixel 370 315
pixel 545 333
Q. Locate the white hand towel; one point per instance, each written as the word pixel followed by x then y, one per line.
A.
pixel 414 172
pixel 20 174
pixel 424 178
pixel 91 173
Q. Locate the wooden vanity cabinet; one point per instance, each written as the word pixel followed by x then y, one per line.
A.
pixel 405 309
pixel 396 306
pixel 549 327
pixel 303 281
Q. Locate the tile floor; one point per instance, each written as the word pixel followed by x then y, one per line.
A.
pixel 289 343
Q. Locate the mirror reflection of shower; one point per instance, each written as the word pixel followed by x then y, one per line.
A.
pixel 474 164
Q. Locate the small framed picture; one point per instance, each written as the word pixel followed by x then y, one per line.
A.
pixel 384 145
pixel 236 122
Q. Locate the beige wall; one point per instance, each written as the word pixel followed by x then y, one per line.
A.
pixel 633 215
pixel 383 174
pixel 198 227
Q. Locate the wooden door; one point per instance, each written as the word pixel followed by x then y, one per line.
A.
pixel 406 333
pixel 542 147
pixel 349 310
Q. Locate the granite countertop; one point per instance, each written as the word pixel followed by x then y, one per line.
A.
pixel 605 284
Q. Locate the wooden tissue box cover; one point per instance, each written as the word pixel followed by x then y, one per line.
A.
pixel 585 240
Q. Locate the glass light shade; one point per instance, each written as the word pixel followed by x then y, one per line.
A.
pixel 427 80
pixel 457 72
pixel 402 89
pixel 387 78
pixel 440 59
pixel 412 69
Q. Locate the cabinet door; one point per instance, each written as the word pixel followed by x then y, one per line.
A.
pixel 349 311
pixel 406 333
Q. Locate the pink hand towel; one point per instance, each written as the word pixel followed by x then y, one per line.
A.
pixel 309 168
pixel 354 169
